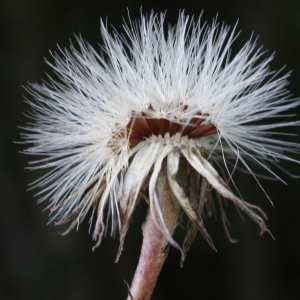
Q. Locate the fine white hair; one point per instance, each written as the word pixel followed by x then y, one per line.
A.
pixel 80 122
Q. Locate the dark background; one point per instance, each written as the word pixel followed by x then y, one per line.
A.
pixel 37 263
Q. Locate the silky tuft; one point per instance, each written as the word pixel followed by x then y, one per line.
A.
pixel 153 97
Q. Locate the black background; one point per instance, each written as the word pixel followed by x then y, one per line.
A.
pixel 38 263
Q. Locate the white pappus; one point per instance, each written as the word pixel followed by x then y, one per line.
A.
pixel 154 96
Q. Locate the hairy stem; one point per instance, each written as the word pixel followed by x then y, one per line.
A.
pixel 155 245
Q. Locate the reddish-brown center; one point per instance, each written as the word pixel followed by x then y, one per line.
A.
pixel 141 127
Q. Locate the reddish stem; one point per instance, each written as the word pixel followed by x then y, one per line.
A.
pixel 154 249
pixel 151 260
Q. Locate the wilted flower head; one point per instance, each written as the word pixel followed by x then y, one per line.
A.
pixel 149 100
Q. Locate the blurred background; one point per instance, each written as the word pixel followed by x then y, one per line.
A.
pixel 37 263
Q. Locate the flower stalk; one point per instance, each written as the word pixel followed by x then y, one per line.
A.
pixel 155 245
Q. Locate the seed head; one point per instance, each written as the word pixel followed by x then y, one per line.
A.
pixel 149 98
